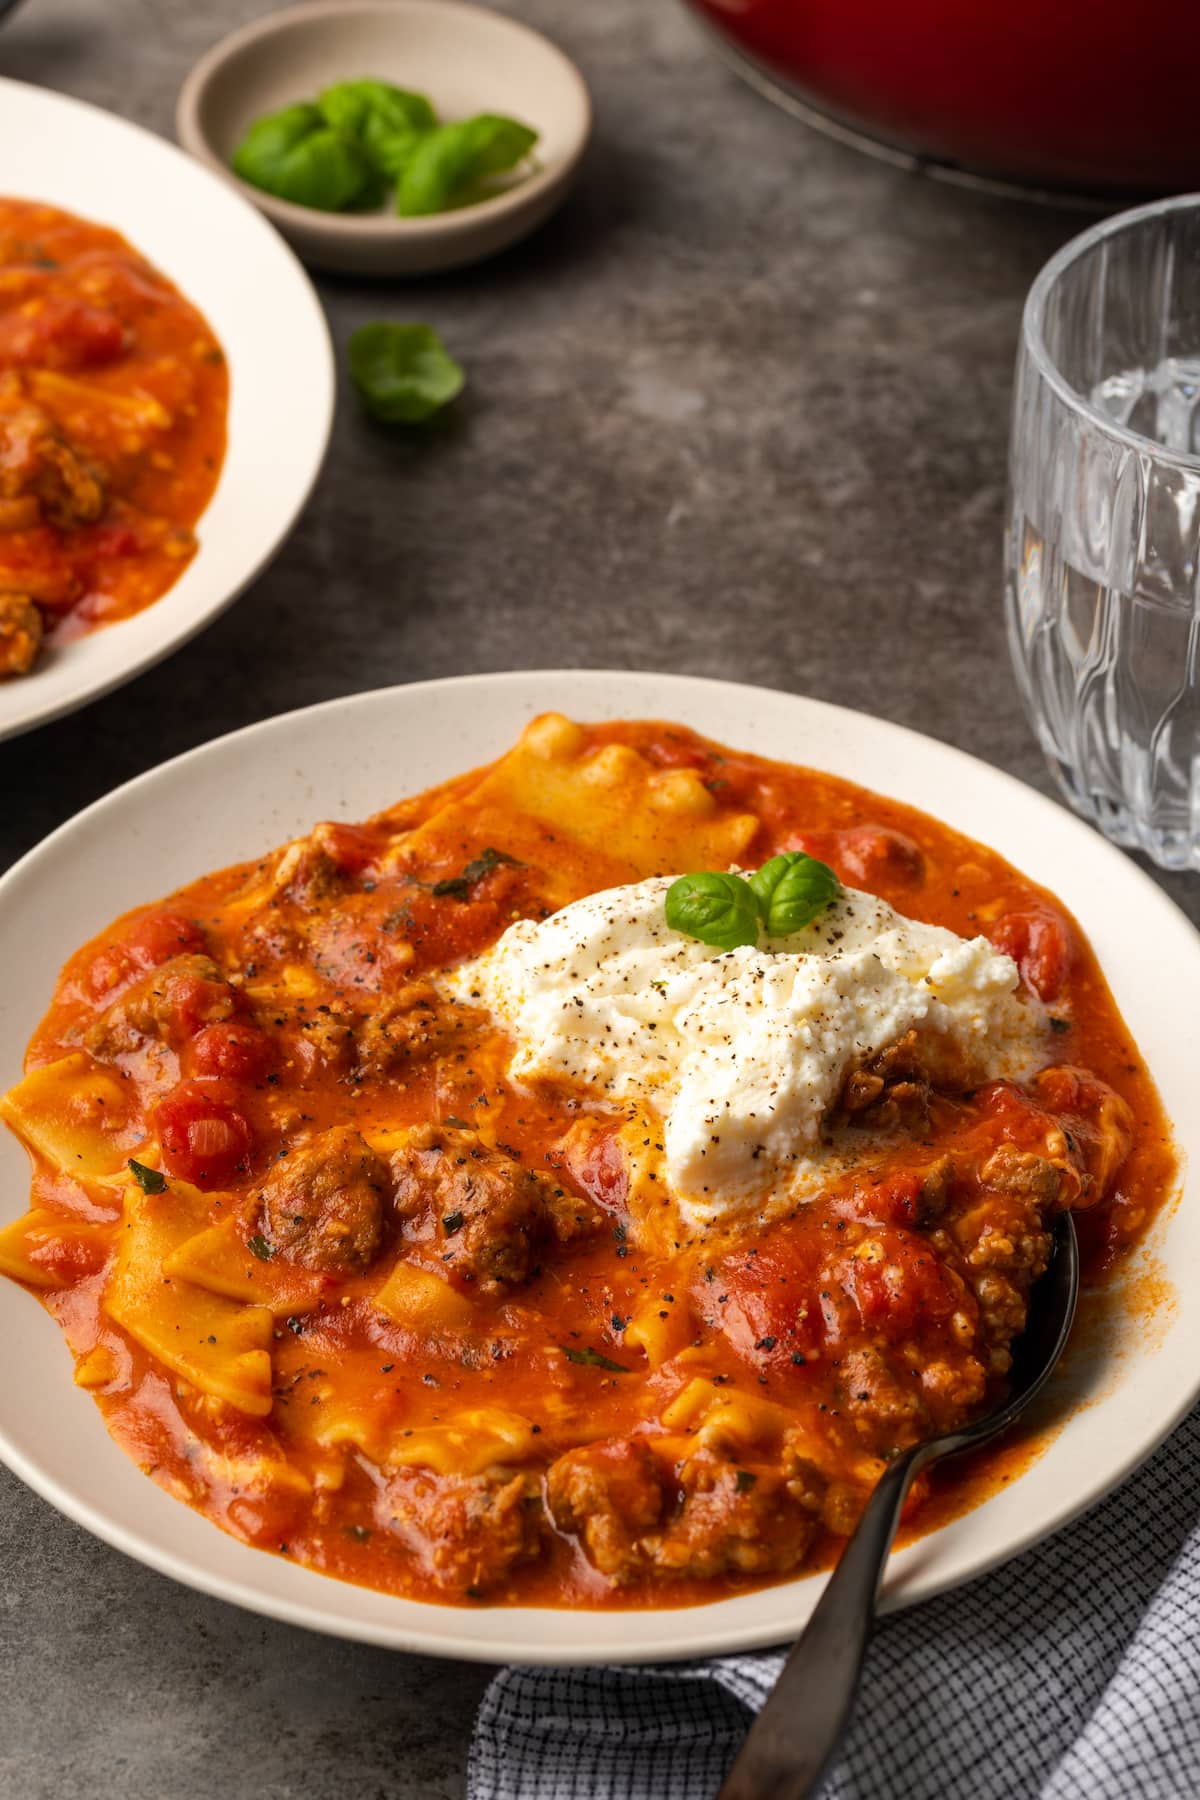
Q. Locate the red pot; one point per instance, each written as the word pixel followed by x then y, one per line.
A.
pixel 1083 94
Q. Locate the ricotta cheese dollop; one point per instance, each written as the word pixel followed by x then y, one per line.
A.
pixel 743 1053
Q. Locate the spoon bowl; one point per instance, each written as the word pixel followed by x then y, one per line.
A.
pixel 793 1740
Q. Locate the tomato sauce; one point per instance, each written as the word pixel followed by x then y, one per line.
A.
pixel 113 398
pixel 562 1407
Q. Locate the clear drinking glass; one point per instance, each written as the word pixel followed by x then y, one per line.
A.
pixel 1103 545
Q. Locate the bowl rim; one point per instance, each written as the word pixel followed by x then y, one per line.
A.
pixel 350 228
pixel 1033 325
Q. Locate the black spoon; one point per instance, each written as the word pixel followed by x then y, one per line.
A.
pixel 793 1740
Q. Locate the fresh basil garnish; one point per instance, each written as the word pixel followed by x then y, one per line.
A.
pixel 593 1359
pixel 295 155
pixel 727 910
pixel 453 165
pixel 151 1181
pixel 403 373
pixel 791 890
pixel 386 121
pixel 720 910
pixel 258 1246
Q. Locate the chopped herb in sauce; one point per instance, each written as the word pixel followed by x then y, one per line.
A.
pixel 151 1181
pixel 593 1359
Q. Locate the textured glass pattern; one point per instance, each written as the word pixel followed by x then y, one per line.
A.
pixel 1103 541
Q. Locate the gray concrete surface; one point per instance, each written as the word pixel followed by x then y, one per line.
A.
pixel 740 411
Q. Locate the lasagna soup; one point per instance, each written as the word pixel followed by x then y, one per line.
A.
pixel 461 1204
pixel 113 393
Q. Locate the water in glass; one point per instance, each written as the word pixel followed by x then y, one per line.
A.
pixel 1103 546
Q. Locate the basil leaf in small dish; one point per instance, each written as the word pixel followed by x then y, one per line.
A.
pixel 451 166
pixel 719 909
pixel 295 155
pixel 791 889
pixel 386 121
pixel 403 373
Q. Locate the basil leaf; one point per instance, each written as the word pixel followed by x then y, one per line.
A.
pixel 357 108
pixel 460 886
pixel 258 1246
pixel 386 121
pixel 451 165
pixel 296 156
pixel 403 373
pixel 718 909
pixel 791 890
pixel 151 1181
pixel 486 861
pixel 593 1359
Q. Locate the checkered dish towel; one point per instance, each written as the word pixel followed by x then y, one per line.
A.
pixel 1072 1673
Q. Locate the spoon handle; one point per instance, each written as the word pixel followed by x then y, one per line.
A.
pixel 792 1741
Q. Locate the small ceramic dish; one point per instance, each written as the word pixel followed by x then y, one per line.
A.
pixel 467 59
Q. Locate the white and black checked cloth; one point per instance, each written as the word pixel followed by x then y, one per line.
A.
pixel 1071 1674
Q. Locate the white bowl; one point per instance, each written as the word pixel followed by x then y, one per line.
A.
pixel 466 59
pixel 1129 1383
pixel 261 305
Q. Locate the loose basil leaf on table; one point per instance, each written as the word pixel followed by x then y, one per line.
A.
pixel 387 121
pixel 791 889
pixel 295 155
pixel 451 165
pixel 403 373
pixel 719 909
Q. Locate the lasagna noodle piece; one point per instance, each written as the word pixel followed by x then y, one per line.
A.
pixel 218 1260
pixel 75 1114
pixel 41 1229
pixel 219 1345
pixel 620 817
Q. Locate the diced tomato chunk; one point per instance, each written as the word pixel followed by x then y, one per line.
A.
pixel 864 855
pixel 870 853
pixel 351 847
pixel 160 935
pixel 596 1164
pixel 768 1306
pixel 896 1282
pixel 60 333
pixel 242 1052
pixel 154 939
pixel 894 1199
pixel 1039 941
pixel 110 969
pixel 100 541
pixel 189 1002
pixel 204 1139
